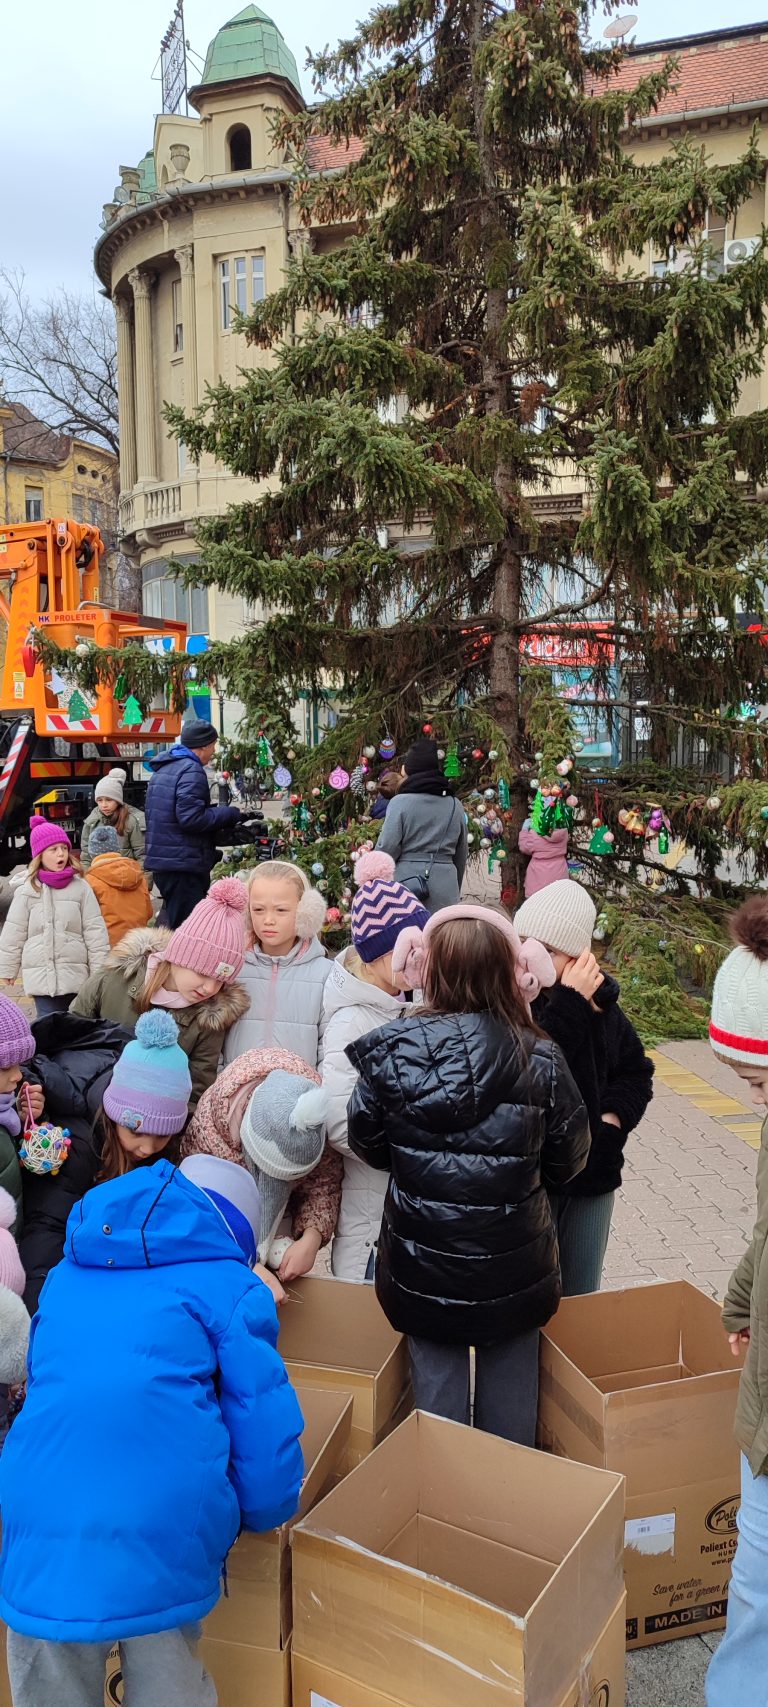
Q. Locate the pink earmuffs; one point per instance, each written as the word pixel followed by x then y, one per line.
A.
pixel 534 969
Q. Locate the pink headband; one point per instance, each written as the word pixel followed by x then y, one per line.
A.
pixel 534 969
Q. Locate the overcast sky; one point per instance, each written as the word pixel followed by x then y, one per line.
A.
pixel 77 100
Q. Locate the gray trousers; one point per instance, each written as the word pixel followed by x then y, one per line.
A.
pixel 582 1225
pixel 158 1671
pixel 506 1384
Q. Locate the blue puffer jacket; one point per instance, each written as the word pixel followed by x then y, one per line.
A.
pixel 159 1417
pixel 182 825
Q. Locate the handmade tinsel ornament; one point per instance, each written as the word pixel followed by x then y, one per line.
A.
pixel 504 794
pixel 44 1148
pixel 452 766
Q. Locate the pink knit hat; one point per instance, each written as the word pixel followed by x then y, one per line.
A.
pixel 11 1272
pixel 44 834
pixel 534 969
pixel 212 940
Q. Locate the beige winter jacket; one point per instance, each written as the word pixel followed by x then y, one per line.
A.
pixel 55 937
pixel 746 1306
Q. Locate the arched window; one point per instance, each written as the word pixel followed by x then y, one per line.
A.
pixel 240 149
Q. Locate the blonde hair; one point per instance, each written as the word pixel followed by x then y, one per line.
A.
pixel 156 981
pixel 311 909
pixel 35 865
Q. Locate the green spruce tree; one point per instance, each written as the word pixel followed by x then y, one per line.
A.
pixel 494 281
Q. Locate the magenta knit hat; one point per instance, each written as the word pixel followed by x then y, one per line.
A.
pixel 381 908
pixel 212 940
pixel 44 835
pixel 16 1041
pixel 11 1272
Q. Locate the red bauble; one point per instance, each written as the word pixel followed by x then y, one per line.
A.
pixel 426 728
pixel 477 753
pixel 295 799
pixel 333 916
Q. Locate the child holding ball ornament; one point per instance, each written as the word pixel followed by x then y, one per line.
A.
pixel 285 965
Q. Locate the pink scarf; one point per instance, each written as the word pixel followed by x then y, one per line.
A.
pixel 57 879
pixel 163 998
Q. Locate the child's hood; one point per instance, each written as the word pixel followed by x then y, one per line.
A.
pixel 444 1071
pixel 152 1217
pixel 118 872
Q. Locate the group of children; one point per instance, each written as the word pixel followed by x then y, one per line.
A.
pixel 446 1104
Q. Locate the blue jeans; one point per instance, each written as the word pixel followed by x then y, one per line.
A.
pixel 738 1673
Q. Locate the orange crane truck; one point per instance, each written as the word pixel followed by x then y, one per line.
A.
pixel 55 740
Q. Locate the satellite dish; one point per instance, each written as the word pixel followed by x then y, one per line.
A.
pixel 620 27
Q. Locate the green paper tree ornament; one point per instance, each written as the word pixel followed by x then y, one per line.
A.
pixel 598 843
pixel 132 713
pixel 78 708
pixel 121 688
pixel 452 767
pixel 263 752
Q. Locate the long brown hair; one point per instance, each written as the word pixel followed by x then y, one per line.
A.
pixel 157 981
pixel 114 1160
pixel 35 865
pixel 116 820
pixel 471 970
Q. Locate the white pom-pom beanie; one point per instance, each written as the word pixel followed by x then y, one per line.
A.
pixel 562 916
pixel 738 1028
pixel 111 786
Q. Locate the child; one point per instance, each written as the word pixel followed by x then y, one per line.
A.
pixel 128 822
pixel 738 1034
pixel 547 861
pixel 365 990
pixel 476 1116
pixel 389 783
pixel 614 1075
pixel 54 932
pixel 217 1127
pixel 285 965
pixel 129 1098
pixel 17 1046
pixel 118 884
pixel 154 1353
pixel 192 971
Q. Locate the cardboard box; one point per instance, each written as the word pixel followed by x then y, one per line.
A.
pixel 602 1679
pixel 246 1639
pixel 452 1567
pixel 643 1382
pixel 334 1334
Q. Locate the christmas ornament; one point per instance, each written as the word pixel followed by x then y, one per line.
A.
pixel 663 840
pixel 764 812
pixel 602 840
pixel 132 713
pixel 713 804
pixel 631 821
pixel 372 787
pixel 249 776
pixel 489 793
pixel 564 767
pixel 534 784
pixel 263 752
pixel 295 798
pixel 82 649
pixel 121 688
pixel 316 793
pixel 470 840
pixel 485 842
pixel 357 779
pixel 538 757
pixel 333 916
pixel 477 752
pixel 387 747
pixel 58 684
pixel 369 752
pixel 283 778
pixel 323 885
pixel 29 660
pixel 504 796
pixel 78 708
pixel 426 728
pixel 601 926
pixel 452 768
pixel 572 801
pixel 44 1148
pixel 317 868
pixel 441 752
pixel 339 778
pixel 493 755
pixel 290 753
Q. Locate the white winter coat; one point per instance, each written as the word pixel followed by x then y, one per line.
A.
pixel 285 992
pixel 56 937
pixel 352 1007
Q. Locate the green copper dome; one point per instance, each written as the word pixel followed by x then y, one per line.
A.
pixel 250 45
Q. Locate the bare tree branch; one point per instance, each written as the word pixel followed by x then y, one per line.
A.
pixel 60 360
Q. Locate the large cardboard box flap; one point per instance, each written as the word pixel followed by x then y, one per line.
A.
pixel 444 1563
pixel 334 1334
pixel 256 1609
pixel 643 1382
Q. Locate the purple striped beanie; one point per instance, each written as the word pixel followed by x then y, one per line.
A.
pixel 381 908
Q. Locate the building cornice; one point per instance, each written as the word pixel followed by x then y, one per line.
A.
pixel 178 199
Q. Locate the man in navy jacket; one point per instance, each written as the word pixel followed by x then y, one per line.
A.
pixel 182 825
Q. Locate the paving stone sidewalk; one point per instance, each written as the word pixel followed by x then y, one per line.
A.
pixel 685 1211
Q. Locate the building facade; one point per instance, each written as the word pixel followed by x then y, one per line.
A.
pixel 205 224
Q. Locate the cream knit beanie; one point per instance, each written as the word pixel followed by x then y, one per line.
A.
pixel 738 1029
pixel 562 916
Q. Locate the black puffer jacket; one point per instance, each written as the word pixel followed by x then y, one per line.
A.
pixel 474 1125
pixel 611 1069
pixel 73 1063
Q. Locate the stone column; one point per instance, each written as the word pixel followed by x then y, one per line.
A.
pixel 186 259
pixel 146 438
pixel 126 400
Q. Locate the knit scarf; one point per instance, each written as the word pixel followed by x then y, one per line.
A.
pixel 57 879
pixel 426 782
pixel 164 998
pixel 8 1114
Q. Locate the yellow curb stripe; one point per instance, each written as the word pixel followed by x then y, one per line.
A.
pixel 707 1098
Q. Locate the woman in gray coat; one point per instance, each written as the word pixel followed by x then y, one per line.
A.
pixel 425 830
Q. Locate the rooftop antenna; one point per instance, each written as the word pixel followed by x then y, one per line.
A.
pixel 620 27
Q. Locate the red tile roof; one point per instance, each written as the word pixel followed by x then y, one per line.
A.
pixel 713 72
pixel 29 440
pixel 327 156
